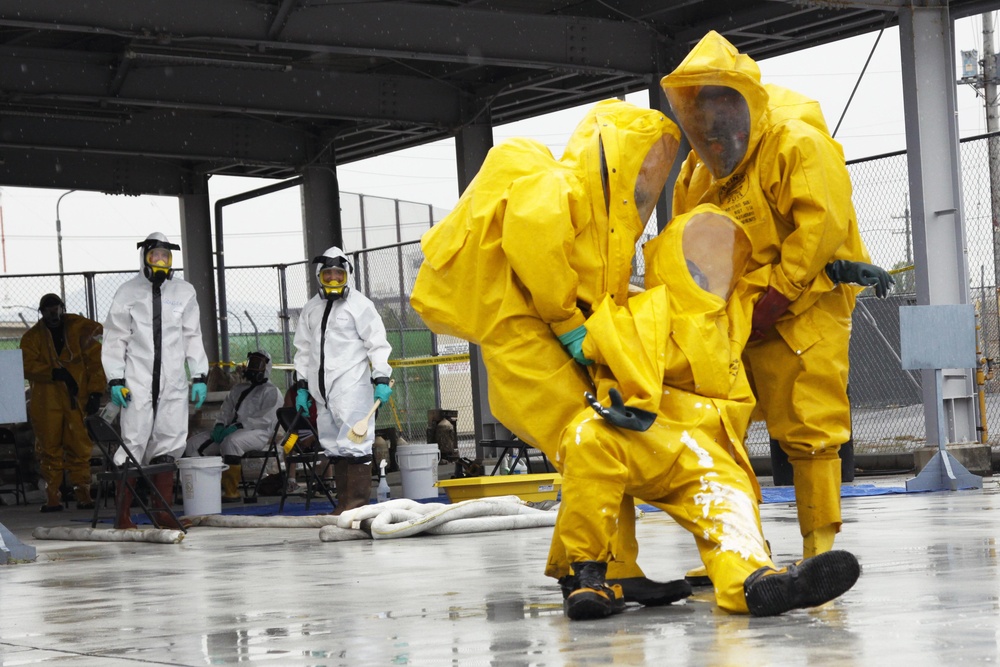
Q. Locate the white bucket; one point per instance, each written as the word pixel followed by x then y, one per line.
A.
pixel 201 482
pixel 418 469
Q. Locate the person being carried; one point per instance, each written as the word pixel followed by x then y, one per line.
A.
pixel 341 350
pixel 62 363
pixel 245 423
pixel 672 406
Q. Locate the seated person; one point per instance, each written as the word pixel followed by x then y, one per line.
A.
pixel 676 440
pixel 245 424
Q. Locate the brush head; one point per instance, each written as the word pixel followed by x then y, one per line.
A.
pixel 358 432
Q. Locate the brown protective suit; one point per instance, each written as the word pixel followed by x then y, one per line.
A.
pixel 61 440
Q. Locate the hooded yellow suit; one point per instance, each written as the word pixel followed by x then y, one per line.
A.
pixel 531 246
pixel 792 194
pixel 673 350
pixel 61 438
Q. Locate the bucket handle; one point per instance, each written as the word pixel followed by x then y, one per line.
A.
pixel 438 457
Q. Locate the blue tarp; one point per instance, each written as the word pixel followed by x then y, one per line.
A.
pixel 786 494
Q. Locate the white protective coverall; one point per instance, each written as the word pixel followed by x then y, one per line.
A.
pixel 778 171
pixel 254 407
pixel 532 245
pixel 340 345
pixel 673 350
pixel 153 330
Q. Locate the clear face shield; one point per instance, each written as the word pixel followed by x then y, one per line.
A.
pixel 653 176
pixel 159 261
pixel 332 274
pixel 716 120
pixel 333 279
pixel 716 252
pixel 256 370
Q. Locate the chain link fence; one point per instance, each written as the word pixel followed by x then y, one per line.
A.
pixel 264 302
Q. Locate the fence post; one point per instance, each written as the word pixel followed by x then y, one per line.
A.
pixel 90 291
pixel 283 316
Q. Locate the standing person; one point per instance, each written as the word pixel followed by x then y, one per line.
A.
pixel 152 329
pixel 341 350
pixel 533 244
pixel 680 403
pixel 763 154
pixel 245 424
pixel 62 362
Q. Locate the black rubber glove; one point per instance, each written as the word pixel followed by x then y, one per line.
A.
pixel 621 415
pixel 93 404
pixel 60 374
pixel 860 273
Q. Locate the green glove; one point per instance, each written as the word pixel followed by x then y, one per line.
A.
pixel 229 430
pixel 619 414
pixel 302 400
pixel 382 392
pixel 573 342
pixel 120 395
pixel 861 273
pixel 199 392
pixel 218 433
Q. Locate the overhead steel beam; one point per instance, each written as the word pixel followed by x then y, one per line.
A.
pixel 160 135
pixel 397 30
pixel 101 173
pixel 30 75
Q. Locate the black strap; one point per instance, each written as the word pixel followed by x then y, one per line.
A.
pixel 201 450
pixel 157 343
pixel 239 402
pixel 58 338
pixel 322 350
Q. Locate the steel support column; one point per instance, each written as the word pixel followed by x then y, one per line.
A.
pixel 196 248
pixel 321 226
pixel 471 146
pixel 940 251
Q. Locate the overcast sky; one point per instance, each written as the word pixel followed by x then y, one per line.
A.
pixel 100 231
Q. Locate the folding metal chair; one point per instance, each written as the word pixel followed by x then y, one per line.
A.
pixel 108 440
pixel 271 452
pixel 13 462
pixel 522 448
pixel 292 421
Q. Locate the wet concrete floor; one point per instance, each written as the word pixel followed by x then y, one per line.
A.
pixel 928 595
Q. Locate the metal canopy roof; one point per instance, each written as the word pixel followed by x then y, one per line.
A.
pixel 136 97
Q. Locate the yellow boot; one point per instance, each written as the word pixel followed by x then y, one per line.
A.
pixel 819 541
pixel 231 482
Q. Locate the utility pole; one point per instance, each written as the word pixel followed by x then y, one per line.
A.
pixel 908 232
pixel 986 84
pixel 993 143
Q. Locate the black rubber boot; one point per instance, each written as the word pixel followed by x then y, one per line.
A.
pixel 808 583
pixel 651 593
pixel 640 590
pixel 592 598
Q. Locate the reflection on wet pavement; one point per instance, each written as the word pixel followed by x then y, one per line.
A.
pixel 929 594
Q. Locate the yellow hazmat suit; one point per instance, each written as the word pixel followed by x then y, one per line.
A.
pixel 531 246
pixel 673 350
pixel 769 161
pixel 61 439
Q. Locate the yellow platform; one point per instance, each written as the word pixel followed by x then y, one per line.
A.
pixel 526 487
